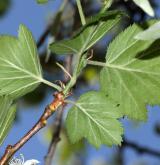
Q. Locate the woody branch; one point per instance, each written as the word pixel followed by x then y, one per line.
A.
pixel 49 110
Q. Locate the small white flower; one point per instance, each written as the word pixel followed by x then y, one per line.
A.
pixel 31 162
pixel 20 161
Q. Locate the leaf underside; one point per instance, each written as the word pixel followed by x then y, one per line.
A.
pixel 132 73
pixel 96 28
pixel 20 70
pixel 7 115
pixel 94 118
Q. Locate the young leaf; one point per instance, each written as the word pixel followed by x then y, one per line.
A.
pixel 20 70
pixel 7 115
pixel 152 33
pixel 132 73
pixel 92 32
pixel 145 5
pixel 94 118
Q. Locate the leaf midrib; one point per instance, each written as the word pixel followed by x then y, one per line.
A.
pixel 21 69
pixel 121 52
pixel 30 51
pixel 127 90
pixel 121 67
pixel 83 110
pixel 101 35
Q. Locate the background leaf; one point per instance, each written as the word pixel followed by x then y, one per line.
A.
pixel 95 29
pixel 20 70
pixel 152 33
pixel 42 1
pixel 4 7
pixel 94 118
pixel 7 115
pixel 145 5
pixel 132 73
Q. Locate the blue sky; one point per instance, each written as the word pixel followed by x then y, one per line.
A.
pixel 29 13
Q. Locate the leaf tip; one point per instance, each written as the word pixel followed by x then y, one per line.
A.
pixel 22 27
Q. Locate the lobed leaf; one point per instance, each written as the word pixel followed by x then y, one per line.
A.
pixel 92 32
pixel 20 70
pixel 7 115
pixel 94 118
pixel 132 73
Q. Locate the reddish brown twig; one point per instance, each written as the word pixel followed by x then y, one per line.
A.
pixel 55 137
pixel 58 120
pixel 49 110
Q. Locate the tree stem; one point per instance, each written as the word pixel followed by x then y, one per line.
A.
pixel 49 110
pixel 55 137
pixel 58 120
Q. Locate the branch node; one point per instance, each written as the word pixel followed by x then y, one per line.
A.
pixel 44 123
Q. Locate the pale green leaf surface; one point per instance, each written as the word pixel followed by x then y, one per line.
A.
pixel 94 118
pixel 132 73
pixel 96 28
pixel 20 70
pixel 146 6
pixel 152 33
pixel 7 115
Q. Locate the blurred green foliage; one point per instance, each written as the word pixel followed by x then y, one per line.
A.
pixel 4 6
pixel 42 1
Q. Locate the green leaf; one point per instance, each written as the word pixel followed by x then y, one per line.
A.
pixel 131 74
pixel 95 29
pixel 145 5
pixel 20 70
pixel 42 1
pixel 7 115
pixel 94 118
pixel 152 33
